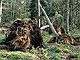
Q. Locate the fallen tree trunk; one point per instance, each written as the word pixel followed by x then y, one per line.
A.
pixel 66 39
pixel 59 29
pixel 50 24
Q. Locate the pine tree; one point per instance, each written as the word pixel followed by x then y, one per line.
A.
pixel 33 9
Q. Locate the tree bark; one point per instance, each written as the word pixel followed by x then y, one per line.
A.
pixel 67 22
pixel 0 9
pixel 39 12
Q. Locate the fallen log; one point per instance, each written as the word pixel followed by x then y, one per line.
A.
pixel 65 38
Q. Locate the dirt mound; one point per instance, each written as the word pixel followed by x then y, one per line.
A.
pixel 23 35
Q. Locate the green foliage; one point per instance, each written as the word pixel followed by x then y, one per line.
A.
pixel 61 41
pixel 14 9
pixel 74 56
pixel 45 4
pixel 54 53
pixel 2 58
pixel 33 8
pixel 54 49
pixel 75 33
pixel 14 55
pixel 2 37
pixel 48 52
pixel 46 36
pixel 67 51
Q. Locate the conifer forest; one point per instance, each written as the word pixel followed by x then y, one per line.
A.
pixel 39 29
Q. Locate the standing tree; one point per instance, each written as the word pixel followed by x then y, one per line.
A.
pixel 46 4
pixel 67 22
pixel 13 9
pixel 33 9
pixel 0 9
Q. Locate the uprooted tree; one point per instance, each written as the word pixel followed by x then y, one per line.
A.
pixel 62 35
pixel 23 35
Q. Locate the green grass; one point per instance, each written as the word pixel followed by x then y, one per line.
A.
pixel 46 36
pixel 2 58
pixel 67 51
pixel 75 33
pixel 74 56
pixel 16 55
pixel 2 36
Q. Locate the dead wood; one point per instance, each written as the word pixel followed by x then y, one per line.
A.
pixel 62 36
pixel 23 35
pixel 59 28
pixel 65 38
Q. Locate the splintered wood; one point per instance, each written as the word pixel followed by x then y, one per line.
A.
pixel 66 39
pixel 62 36
pixel 23 35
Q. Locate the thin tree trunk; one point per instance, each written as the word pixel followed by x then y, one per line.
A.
pixel 0 9
pixel 11 11
pixel 25 9
pixel 39 12
pixel 67 22
pixel 72 13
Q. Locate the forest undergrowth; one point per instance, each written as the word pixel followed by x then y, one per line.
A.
pixel 50 51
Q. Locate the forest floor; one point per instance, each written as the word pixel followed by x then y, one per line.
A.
pixel 51 51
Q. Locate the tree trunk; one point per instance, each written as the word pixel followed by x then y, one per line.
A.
pixel 0 9
pixel 39 12
pixel 67 22
pixel 50 24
